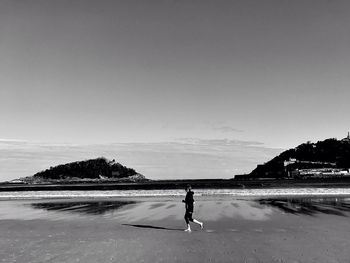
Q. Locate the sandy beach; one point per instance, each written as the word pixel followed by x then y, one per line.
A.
pixel 151 230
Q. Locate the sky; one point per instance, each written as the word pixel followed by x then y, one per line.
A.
pixel 172 88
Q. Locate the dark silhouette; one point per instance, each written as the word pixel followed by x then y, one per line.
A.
pixel 189 205
pixel 330 153
pixel 94 169
pixel 153 227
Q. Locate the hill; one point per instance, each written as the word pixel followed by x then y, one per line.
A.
pixel 324 158
pixel 93 170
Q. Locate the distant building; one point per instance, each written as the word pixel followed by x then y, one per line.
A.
pixel 296 168
pixel 290 161
pixel 323 173
pixel 347 138
pixel 16 181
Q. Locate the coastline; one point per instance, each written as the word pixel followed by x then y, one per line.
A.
pixel 180 184
pixel 176 193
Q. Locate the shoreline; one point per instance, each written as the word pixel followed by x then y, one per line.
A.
pixel 201 194
pixel 180 184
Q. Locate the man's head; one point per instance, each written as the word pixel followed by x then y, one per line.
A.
pixel 188 188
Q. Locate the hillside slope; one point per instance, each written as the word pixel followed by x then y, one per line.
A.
pixel 330 153
pixel 99 169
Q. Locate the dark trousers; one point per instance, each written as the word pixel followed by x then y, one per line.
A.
pixel 188 216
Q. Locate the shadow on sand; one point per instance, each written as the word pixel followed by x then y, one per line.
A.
pixel 310 206
pixel 153 227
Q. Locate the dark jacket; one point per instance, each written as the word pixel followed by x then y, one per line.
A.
pixel 189 201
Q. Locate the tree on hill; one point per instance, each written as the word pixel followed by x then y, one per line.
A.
pixel 89 169
pixel 328 153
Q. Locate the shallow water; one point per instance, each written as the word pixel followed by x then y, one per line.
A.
pixel 132 211
pixel 178 192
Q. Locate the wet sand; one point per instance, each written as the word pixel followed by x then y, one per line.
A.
pixel 151 230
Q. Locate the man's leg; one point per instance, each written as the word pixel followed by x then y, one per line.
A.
pixel 187 219
pixel 198 222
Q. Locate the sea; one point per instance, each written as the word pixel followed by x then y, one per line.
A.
pixel 149 206
pixel 271 192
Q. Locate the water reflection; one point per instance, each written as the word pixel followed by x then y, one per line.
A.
pixel 208 210
pixel 142 211
pixel 309 206
pixel 82 207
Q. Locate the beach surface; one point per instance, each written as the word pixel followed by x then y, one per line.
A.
pixel 150 229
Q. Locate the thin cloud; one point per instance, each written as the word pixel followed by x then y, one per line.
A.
pixel 228 129
pixel 10 140
pixel 187 158
pixel 221 142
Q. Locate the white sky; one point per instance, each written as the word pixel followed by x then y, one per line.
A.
pixel 102 72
